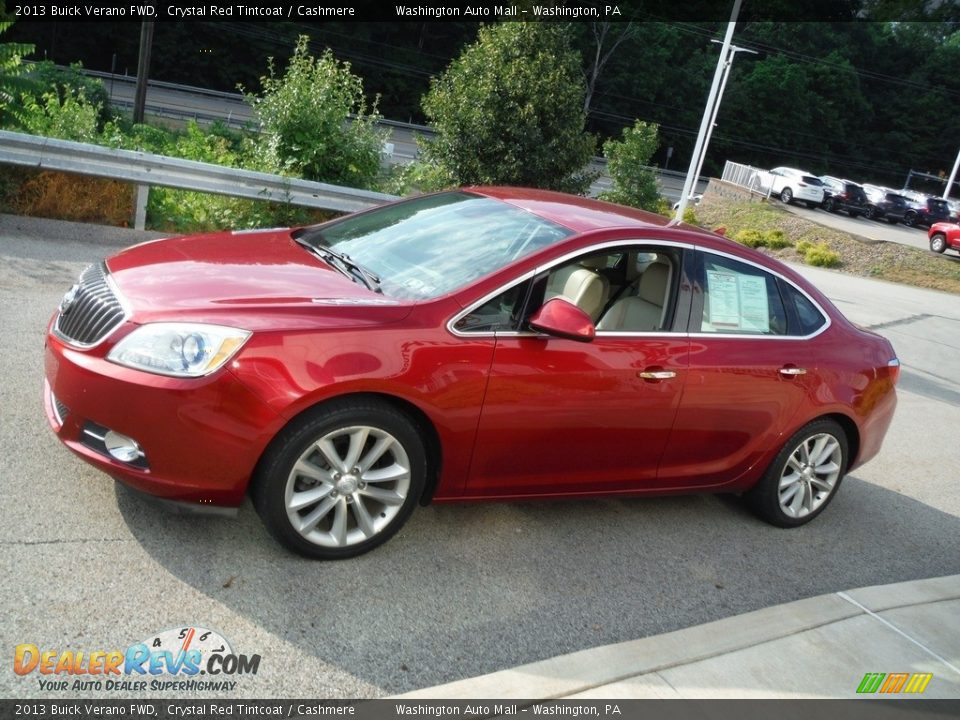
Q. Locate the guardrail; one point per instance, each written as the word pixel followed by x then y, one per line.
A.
pixel 146 169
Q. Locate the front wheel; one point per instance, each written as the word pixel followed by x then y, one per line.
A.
pixel 786 195
pixel 829 205
pixel 803 478
pixel 910 219
pixel 938 243
pixel 341 481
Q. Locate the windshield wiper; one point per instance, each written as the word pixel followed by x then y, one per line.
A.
pixel 344 263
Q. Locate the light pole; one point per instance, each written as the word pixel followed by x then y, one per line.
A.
pixel 953 176
pixel 713 99
pixel 716 106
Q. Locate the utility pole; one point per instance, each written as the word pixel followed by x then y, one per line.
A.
pixel 728 65
pixel 143 70
pixel 953 176
pixel 713 99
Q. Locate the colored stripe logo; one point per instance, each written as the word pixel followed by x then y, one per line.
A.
pixel 894 683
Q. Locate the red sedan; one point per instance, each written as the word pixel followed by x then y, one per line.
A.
pixel 944 236
pixel 488 343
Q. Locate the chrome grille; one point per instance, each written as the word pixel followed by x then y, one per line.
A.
pixel 90 310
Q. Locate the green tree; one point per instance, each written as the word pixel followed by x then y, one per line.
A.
pixel 634 183
pixel 12 82
pixel 509 111
pixel 316 123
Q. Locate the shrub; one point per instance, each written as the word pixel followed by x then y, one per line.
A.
pixel 13 84
pixel 776 240
pixel 315 122
pixel 803 246
pixel 750 238
pixel 821 255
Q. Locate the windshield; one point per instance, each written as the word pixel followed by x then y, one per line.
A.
pixel 428 246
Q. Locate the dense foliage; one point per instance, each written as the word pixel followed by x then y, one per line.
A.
pixel 304 128
pixel 12 80
pixel 509 111
pixel 867 100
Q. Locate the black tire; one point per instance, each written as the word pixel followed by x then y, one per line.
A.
pixel 830 205
pixel 871 212
pixel 910 219
pixel 347 494
pixel 765 497
pixel 938 242
pixel 786 195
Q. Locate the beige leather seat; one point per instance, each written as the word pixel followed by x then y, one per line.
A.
pixel 581 285
pixel 643 312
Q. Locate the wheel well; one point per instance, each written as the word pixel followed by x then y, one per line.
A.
pixel 853 435
pixel 427 431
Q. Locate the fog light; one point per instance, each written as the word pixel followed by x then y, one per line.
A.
pixel 122 447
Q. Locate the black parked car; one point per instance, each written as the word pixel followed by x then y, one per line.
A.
pixel 925 211
pixel 839 194
pixel 885 204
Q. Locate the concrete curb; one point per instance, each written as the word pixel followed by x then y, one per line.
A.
pixel 601 672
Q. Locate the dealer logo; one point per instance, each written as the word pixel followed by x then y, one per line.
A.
pixel 185 653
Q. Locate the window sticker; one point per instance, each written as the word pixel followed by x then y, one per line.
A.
pixel 738 302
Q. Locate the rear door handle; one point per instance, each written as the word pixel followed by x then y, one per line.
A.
pixel 657 374
pixel 790 371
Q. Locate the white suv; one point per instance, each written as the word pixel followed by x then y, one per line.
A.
pixel 790 184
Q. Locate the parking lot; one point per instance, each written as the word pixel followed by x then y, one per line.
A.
pixel 462 590
pixel 877 230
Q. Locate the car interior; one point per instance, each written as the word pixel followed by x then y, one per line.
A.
pixel 621 292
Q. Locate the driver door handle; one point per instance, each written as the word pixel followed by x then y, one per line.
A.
pixel 791 371
pixel 657 374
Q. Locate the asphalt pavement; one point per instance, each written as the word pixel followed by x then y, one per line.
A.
pixel 464 590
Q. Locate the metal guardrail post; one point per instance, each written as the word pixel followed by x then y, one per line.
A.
pixel 140 213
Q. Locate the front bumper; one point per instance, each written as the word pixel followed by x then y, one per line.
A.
pixel 201 438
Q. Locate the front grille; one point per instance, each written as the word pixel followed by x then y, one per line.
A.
pixel 94 310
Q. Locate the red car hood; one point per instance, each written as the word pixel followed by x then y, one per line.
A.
pixel 248 278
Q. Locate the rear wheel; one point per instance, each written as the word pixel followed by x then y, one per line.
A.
pixel 872 212
pixel 803 478
pixel 910 219
pixel 938 243
pixel 341 481
pixel 829 205
pixel 786 195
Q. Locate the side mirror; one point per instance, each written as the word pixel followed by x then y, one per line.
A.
pixel 561 318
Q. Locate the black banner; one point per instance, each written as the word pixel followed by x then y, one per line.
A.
pixel 912 709
pixel 452 10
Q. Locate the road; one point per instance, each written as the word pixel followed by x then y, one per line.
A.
pixel 462 590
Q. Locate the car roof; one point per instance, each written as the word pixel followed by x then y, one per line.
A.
pixel 579 214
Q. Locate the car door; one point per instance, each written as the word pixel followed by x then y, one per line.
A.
pixel 561 416
pixel 751 370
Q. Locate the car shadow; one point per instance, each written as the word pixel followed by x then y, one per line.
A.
pixel 464 590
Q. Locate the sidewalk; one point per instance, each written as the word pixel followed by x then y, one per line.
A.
pixel 820 647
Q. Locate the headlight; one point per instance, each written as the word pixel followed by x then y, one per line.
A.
pixel 178 349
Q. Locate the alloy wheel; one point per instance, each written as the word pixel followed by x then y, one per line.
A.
pixel 348 486
pixel 810 475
